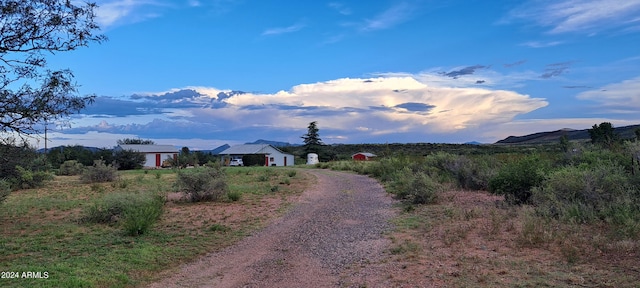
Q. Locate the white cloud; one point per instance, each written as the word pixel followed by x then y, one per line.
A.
pixel 393 16
pixel 283 30
pixel 340 7
pixel 622 97
pixel 539 44
pixel 110 12
pixel 582 16
pixel 367 101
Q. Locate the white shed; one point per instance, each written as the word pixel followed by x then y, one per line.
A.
pixel 155 154
pixel 273 156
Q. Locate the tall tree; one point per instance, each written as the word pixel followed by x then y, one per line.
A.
pixel 312 141
pixel 604 134
pixel 135 141
pixel 29 29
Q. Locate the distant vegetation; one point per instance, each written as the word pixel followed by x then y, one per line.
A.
pixel 573 182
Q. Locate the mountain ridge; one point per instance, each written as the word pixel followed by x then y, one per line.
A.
pixel 625 132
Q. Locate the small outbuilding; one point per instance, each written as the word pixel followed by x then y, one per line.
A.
pixel 272 155
pixel 363 156
pixel 155 154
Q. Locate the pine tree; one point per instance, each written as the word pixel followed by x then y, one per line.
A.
pixel 312 141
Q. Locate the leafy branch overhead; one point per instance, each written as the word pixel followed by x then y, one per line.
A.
pixel 30 92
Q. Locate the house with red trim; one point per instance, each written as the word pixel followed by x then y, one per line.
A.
pixel 155 154
pixel 272 155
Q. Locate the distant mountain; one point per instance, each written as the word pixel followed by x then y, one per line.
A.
pixel 273 143
pixel 217 151
pixel 60 148
pixel 625 132
pixel 473 143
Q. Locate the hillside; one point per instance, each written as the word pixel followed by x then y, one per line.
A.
pixel 625 132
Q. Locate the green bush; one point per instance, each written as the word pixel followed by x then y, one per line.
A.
pixel 99 172
pixel 70 168
pixel 202 184
pixel 234 196
pixel 138 219
pixel 418 188
pixel 135 212
pixel 5 190
pixel 30 179
pixel 516 179
pixel 584 194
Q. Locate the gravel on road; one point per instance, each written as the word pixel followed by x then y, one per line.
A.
pixel 329 238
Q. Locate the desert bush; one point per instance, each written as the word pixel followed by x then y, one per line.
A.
pixel 584 194
pixel 99 172
pixel 516 179
pixel 418 188
pixel 30 179
pixel 70 168
pixel 203 184
pixel 135 212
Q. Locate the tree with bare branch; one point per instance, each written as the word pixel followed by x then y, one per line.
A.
pixel 30 92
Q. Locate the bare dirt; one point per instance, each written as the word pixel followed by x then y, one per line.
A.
pixel 333 236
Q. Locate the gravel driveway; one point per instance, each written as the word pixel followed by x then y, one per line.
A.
pixel 327 239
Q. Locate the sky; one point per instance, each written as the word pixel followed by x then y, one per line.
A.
pixel 203 73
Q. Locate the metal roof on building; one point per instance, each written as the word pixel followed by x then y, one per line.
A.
pixel 247 149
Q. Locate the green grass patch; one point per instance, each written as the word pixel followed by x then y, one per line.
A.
pixel 43 231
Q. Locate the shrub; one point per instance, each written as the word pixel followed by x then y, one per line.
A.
pixel 70 168
pixel 138 219
pixel 584 194
pixel 30 179
pixel 203 184
pixel 234 196
pixel 5 190
pixel 516 179
pixel 418 188
pixel 135 212
pixel 292 173
pixel 129 159
pixel 99 172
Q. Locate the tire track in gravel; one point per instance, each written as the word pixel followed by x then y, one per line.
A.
pixel 328 239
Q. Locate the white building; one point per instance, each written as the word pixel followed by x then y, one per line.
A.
pixel 272 155
pixel 155 154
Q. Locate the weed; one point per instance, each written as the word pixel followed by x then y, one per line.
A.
pixel 405 247
pixel 219 228
pixel 234 195
pixel 138 218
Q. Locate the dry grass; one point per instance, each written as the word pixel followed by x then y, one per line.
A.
pixel 470 240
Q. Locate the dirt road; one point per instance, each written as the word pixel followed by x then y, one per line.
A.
pixel 328 239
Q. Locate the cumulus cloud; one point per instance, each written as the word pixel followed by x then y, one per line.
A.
pixel 579 16
pixel 360 102
pixel 400 108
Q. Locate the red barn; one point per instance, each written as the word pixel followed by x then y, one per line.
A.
pixel 362 156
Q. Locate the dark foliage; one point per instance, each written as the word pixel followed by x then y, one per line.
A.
pixel 128 159
pixel 29 29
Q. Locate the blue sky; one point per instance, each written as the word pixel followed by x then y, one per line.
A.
pixel 202 73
